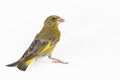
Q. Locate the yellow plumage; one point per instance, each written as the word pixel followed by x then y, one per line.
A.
pixel 29 61
pixel 46 48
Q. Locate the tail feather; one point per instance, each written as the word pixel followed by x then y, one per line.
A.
pixel 22 66
pixel 13 64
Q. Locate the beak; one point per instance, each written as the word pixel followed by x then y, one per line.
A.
pixel 60 20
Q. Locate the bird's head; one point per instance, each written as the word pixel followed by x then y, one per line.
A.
pixel 53 20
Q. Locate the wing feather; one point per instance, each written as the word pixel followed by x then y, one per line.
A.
pixel 39 46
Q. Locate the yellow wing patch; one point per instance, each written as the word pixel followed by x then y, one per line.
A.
pixel 41 51
pixel 45 48
pixel 29 61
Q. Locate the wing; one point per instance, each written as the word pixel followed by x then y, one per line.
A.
pixel 39 48
pixel 39 45
pixel 34 46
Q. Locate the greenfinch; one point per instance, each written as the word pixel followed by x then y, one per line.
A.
pixel 43 44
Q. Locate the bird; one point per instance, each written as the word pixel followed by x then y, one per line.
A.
pixel 43 44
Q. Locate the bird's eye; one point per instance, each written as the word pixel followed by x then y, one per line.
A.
pixel 53 19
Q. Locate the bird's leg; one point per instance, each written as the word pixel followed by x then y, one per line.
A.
pixel 58 61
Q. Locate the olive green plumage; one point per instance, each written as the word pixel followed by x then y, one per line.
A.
pixel 43 44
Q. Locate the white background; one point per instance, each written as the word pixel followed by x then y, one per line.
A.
pixel 90 39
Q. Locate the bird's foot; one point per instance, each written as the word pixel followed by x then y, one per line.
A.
pixel 58 61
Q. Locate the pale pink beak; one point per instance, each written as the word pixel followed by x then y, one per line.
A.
pixel 60 20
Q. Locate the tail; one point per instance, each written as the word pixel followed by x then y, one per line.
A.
pixel 21 65
pixel 13 64
pixel 24 64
